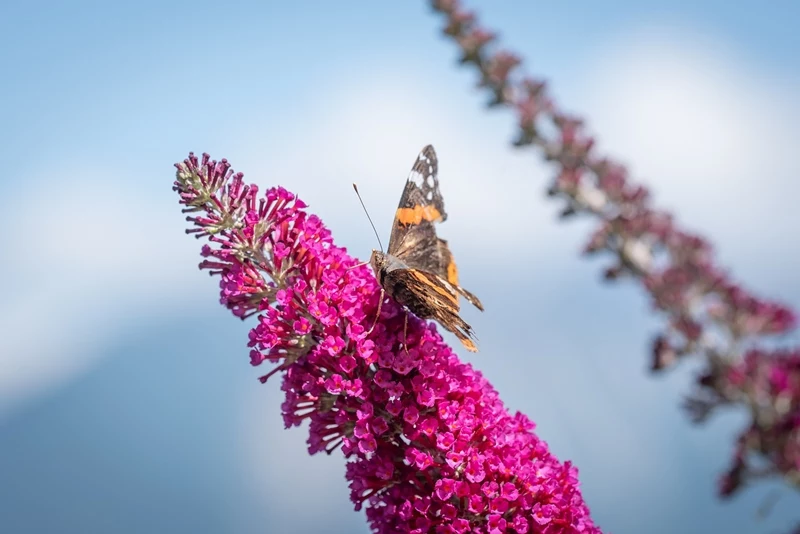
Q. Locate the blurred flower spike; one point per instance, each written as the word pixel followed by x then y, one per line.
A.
pixel 708 315
pixel 431 446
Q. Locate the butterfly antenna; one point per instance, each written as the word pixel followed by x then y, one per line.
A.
pixel 368 217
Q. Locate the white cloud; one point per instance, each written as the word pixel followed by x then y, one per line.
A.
pixel 712 134
pixel 370 133
pixel 94 254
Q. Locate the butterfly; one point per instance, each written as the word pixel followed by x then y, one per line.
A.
pixel 418 270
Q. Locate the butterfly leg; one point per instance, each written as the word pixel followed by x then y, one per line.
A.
pixel 363 263
pixel 405 334
pixel 377 315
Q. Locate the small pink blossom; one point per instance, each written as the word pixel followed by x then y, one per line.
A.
pixel 445 487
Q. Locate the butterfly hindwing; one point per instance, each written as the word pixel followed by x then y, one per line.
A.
pixel 448 271
pixel 430 297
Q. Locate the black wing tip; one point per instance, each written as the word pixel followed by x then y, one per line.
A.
pixel 429 152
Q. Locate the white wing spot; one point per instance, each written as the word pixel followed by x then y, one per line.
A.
pixel 431 182
pixel 417 178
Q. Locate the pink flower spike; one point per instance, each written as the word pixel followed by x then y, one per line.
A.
pixel 421 429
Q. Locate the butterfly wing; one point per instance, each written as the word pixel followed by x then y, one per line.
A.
pixel 448 271
pixel 413 240
pixel 424 278
pixel 429 296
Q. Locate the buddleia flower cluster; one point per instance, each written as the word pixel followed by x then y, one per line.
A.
pixel 431 446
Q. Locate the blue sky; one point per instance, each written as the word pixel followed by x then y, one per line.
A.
pixel 127 403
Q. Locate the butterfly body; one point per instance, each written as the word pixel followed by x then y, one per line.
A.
pixel 419 271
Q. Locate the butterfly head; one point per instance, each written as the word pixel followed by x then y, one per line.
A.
pixel 377 261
